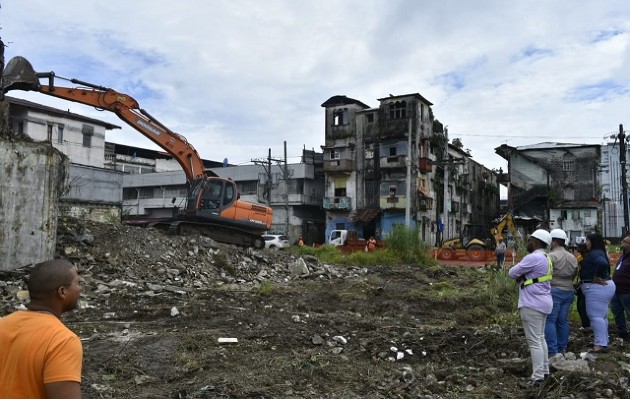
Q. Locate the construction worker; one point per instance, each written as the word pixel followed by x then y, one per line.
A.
pixel 533 274
pixel 500 252
pixel 564 271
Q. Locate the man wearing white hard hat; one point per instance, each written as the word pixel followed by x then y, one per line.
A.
pixel 533 275
pixel 564 270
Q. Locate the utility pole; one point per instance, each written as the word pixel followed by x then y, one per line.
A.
pixel 445 235
pixel 267 167
pixel 624 181
pixel 408 186
pixel 285 177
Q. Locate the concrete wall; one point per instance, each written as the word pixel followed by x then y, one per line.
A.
pixel 93 193
pixel 32 178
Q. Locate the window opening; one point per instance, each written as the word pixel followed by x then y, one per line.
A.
pixel 340 117
pixel 398 110
pixel 60 133
pixel 88 132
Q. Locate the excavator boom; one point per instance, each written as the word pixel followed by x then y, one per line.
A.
pixel 19 74
pixel 213 206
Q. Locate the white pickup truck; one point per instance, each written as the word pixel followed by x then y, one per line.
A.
pixel 337 237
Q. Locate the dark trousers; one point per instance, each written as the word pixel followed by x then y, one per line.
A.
pixel 581 308
pixel 620 305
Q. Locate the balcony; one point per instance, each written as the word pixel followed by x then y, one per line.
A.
pixel 339 165
pixel 425 164
pixel 388 202
pixel 338 203
pixel 425 204
pixel 393 161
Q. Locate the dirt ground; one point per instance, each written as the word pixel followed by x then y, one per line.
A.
pixel 411 331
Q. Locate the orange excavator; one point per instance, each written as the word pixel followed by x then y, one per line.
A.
pixel 213 207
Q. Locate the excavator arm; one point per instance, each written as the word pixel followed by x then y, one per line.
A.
pixel 507 222
pixel 19 74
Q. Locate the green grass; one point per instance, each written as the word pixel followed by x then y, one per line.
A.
pixel 402 246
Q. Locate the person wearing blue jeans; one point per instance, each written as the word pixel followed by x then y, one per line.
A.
pixel 564 270
pixel 620 303
pixel 598 289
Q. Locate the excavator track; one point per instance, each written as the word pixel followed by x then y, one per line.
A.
pixel 219 233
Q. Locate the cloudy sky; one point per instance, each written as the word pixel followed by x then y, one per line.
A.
pixel 239 77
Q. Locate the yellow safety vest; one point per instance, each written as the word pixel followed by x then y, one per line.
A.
pixel 543 278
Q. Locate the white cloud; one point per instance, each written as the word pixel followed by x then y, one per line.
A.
pixel 239 77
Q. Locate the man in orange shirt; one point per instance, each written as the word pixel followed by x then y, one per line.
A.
pixel 41 357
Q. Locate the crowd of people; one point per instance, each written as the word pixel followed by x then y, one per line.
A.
pixel 550 278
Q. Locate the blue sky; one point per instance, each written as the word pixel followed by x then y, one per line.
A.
pixel 239 77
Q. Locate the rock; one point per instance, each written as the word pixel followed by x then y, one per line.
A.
pixel 299 268
pixel 317 340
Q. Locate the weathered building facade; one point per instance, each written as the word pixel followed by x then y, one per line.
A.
pixel 93 191
pixel 557 183
pixel 387 166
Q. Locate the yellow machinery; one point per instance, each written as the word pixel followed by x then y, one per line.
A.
pixel 477 238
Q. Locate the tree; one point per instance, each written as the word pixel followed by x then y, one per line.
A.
pixel 457 142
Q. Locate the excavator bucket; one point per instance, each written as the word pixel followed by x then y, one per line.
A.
pixel 19 75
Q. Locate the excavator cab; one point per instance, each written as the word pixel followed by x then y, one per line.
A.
pixel 211 195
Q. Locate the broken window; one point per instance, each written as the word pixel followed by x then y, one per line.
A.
pixel 340 187
pixel 568 162
pixel 392 151
pixel 340 192
pixel 398 110
pixel 340 117
pixel 369 118
pixel 49 129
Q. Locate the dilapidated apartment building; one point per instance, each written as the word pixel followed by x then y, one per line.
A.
pixel 388 165
pixel 93 191
pixel 557 183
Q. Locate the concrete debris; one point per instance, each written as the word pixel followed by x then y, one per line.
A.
pixel 340 339
pixel 149 263
pixel 317 340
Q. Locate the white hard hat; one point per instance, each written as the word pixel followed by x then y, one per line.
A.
pixel 558 234
pixel 543 236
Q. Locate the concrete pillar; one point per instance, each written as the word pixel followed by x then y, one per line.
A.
pixel 33 175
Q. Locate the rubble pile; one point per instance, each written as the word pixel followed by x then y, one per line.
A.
pixel 116 258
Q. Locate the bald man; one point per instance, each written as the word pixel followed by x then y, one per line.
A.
pixel 40 357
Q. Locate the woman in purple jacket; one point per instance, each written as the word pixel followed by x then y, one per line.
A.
pixel 533 275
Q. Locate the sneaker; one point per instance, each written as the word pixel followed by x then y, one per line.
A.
pixel 530 384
